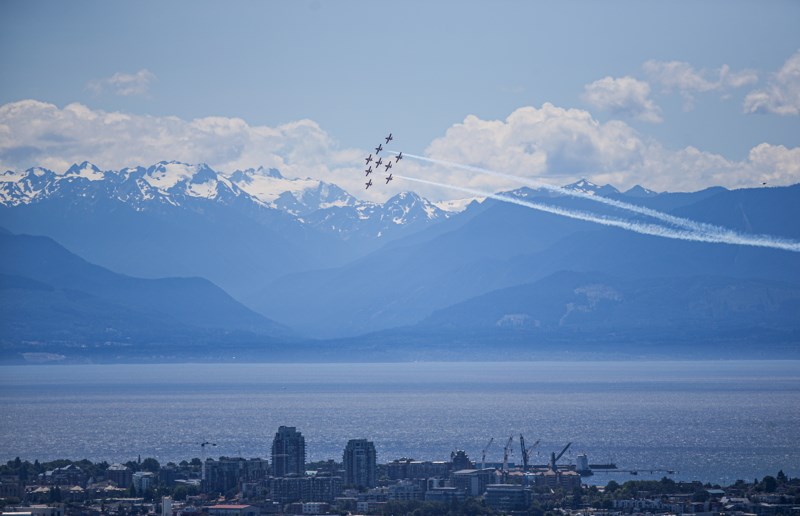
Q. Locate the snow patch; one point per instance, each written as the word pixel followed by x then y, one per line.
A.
pixel 206 190
pixel 457 205
pixel 165 175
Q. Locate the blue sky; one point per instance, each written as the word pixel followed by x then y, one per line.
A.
pixel 672 95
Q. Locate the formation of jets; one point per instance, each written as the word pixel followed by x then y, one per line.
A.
pixel 379 161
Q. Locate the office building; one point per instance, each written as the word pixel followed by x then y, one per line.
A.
pixel 359 463
pixel 288 452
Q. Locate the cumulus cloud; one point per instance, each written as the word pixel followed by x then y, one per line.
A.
pixel 782 93
pixel 41 134
pixel 625 96
pixel 559 145
pixel 549 143
pixel 682 77
pixel 124 84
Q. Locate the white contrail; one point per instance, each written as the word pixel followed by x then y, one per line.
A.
pixel 726 237
pixel 649 212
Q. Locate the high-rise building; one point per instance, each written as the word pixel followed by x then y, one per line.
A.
pixel 288 452
pixel 359 463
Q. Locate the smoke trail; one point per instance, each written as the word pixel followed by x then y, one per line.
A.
pixel 725 237
pixel 649 212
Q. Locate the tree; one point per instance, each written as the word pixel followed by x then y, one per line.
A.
pixel 55 494
pixel 782 479
pixel 612 486
pixel 179 493
pixel 151 464
pixel 770 484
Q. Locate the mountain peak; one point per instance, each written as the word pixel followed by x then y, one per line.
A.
pixel 271 172
pixel 587 187
pixel 640 191
pixel 85 170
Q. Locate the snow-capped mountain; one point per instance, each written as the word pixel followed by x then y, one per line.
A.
pixel 179 219
pixel 165 182
pixel 295 196
pixel 587 187
pixel 310 201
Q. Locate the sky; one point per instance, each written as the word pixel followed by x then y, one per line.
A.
pixel 674 96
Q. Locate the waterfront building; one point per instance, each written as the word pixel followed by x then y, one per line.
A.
pixel 305 489
pixel 459 460
pixel 359 463
pixel 11 487
pixel 559 478
pixel 409 469
pixel 70 475
pixel 120 474
pixel 445 495
pixel 473 481
pixel 288 452
pixel 228 474
pixel 405 490
pixel 233 510
pixel 142 481
pixel 316 508
pixel 506 497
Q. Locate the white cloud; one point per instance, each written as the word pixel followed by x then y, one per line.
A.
pixel 124 84
pixel 561 145
pixel 549 143
pixel 624 96
pixel 41 134
pixel 545 142
pixel 685 79
pixel 782 93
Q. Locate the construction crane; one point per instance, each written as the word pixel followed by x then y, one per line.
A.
pixel 526 452
pixel 554 457
pixel 506 451
pixel 203 466
pixel 483 454
pixel 203 455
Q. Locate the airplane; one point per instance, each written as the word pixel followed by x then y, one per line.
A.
pixel 368 183
pixel 388 165
pixel 398 157
pixel 388 138
pixel 368 171
pixel 378 163
pixel 378 149
pixel 389 178
pixel 368 159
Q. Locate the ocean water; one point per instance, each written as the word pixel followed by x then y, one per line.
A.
pixel 714 421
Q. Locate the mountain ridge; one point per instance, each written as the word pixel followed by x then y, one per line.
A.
pixel 331 267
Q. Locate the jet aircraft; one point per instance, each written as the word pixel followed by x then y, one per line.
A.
pixel 378 149
pixel 368 171
pixel 368 183
pixel 398 157
pixel 388 138
pixel 389 178
pixel 368 159
pixel 378 163
pixel 388 165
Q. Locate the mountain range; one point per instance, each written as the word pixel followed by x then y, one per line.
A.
pixel 310 267
pixel 175 219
